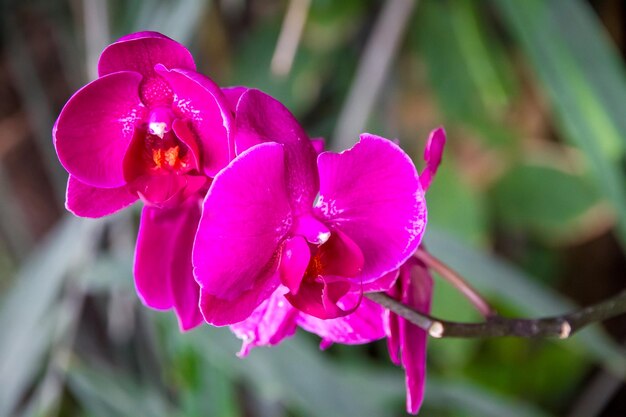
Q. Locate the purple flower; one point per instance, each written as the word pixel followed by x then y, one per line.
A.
pixel 149 127
pixel 326 227
pixel 406 341
pixel 276 319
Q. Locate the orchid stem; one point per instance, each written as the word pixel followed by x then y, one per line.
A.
pixel 557 326
pixel 457 281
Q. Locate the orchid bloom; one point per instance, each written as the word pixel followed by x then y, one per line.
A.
pixel 324 227
pixel 150 128
pixel 414 287
pixel 275 319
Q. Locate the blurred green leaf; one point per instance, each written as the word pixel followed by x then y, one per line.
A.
pixel 299 89
pixel 471 400
pixel 302 377
pixel 298 375
pixel 543 199
pixel 26 319
pixel 109 393
pixel 455 207
pixel 176 19
pixel 584 79
pixel 550 371
pixel 467 66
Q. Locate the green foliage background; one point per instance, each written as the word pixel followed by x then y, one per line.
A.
pixel 529 205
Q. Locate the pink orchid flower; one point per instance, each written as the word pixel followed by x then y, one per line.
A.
pixel 325 227
pixel 275 319
pixel 150 128
pixel 414 288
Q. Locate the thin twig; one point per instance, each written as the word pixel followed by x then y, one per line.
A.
pixel 556 326
pixel 457 281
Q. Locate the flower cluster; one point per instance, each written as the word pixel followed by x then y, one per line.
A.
pixel 246 221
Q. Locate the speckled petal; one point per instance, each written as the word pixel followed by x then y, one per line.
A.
pixel 95 128
pixel 372 193
pixel 200 101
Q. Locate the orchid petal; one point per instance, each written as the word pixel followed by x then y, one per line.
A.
pixel 163 271
pixel 141 51
pixel 417 287
pixel 340 256
pixel 185 289
pixel 383 283
pixel 432 155
pixel 318 144
pixel 201 101
pixel 372 194
pixel 96 127
pixel 268 325
pixel 261 118
pixel 153 257
pixel 219 311
pixel 364 325
pixel 321 297
pixel 246 214
pixel 184 133
pixel 86 201
pixel 233 94
pixel 293 262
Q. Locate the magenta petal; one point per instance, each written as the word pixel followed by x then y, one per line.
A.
pixel 201 101
pixel 364 325
pixel 86 201
pixel 95 128
pixel 323 298
pixel 268 325
pixel 221 312
pixel 184 133
pixel 185 289
pixel 153 256
pixel 372 194
pixel 141 51
pixel 417 287
pixel 261 118
pixel 245 217
pixel 233 94
pixel 432 155
pixel 383 283
pixel 340 256
pixel 160 190
pixel 163 271
pixel 293 262
pixel 318 145
pixel 393 338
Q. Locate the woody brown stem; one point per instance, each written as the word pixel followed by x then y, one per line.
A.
pixel 557 326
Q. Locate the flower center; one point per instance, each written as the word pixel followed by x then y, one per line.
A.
pixel 163 149
pixel 315 268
